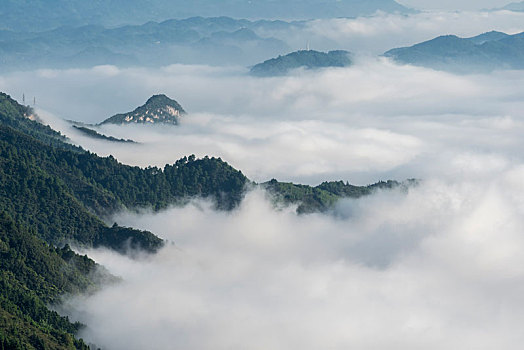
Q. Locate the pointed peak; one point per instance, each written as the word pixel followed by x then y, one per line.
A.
pixel 158 109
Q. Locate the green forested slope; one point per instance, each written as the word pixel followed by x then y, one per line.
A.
pixel 52 193
pixel 62 192
pixel 33 275
pixel 16 116
pixel 324 196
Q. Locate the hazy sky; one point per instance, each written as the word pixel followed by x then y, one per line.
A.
pixel 454 4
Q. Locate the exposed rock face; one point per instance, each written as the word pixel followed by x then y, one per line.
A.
pixel 159 109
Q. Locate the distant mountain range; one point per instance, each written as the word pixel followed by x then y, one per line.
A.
pixel 197 40
pixel 485 52
pixel 37 15
pixel 309 59
pixel 514 6
pixel 159 109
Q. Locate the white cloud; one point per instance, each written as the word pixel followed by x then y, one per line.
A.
pixel 437 268
pixel 383 32
pixel 432 269
pixel 372 121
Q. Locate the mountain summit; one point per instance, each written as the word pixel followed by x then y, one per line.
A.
pixel 309 59
pixel 482 53
pixel 159 109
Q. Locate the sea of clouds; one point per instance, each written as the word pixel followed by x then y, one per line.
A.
pixel 437 267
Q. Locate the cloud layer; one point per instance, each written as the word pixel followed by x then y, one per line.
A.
pixel 372 121
pixel 377 34
pixel 440 267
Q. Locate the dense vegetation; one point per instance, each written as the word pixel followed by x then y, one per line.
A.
pixel 17 117
pixel 324 196
pixel 33 275
pixel 96 135
pixel 62 193
pixel 40 190
pixel 53 193
pixel 309 59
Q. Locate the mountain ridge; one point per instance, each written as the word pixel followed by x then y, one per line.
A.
pixel 49 14
pixel 309 59
pixel 485 52
pixel 158 109
pixel 218 40
pixel 53 193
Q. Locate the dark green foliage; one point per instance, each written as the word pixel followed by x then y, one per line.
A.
pixel 33 275
pixel 51 190
pixel 157 109
pixel 17 116
pixel 324 196
pixel 309 59
pixel 60 192
pixel 123 239
pixel 96 135
pixel 52 193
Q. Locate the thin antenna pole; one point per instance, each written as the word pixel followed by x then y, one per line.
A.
pixel 34 101
pixel 23 99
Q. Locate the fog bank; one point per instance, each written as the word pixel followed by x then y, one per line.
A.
pixel 437 268
pixel 370 122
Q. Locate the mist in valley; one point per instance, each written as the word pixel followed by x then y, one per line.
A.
pixel 435 266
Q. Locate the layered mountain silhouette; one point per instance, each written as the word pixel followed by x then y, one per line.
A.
pixel 308 59
pixel 39 15
pixel 485 52
pixel 514 6
pixel 196 40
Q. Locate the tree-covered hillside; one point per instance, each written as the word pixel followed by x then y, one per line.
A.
pixel 53 193
pixel 323 197
pixel 309 59
pixel 33 275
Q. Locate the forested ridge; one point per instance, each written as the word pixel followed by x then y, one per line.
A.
pixel 53 193
pixel 324 197
pixel 33 275
pixel 309 59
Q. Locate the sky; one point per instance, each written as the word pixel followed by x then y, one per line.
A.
pixel 455 5
pixel 436 266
